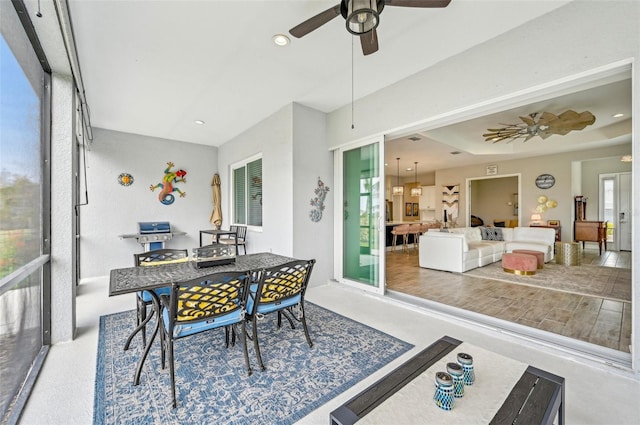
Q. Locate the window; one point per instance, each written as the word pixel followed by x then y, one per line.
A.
pixel 247 192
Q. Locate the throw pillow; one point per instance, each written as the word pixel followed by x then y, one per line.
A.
pixel 492 234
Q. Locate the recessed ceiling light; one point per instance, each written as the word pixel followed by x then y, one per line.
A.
pixel 618 115
pixel 409 169
pixel 455 153
pixel 414 138
pixel 199 122
pixel 281 39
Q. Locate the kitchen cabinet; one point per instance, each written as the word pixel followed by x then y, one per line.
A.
pixel 428 198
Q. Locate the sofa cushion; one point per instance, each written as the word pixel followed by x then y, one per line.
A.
pixel 470 233
pixel 491 233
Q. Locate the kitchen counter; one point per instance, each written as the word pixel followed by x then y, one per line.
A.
pixel 391 224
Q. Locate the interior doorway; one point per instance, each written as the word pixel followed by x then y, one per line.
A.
pixel 615 208
pixel 494 200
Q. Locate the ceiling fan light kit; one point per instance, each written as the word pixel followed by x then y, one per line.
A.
pixel 362 18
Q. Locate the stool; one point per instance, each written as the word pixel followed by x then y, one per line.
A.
pixel 538 254
pixel 521 264
pixel 400 230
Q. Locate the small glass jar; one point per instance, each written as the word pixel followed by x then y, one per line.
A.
pixel 468 375
pixel 456 372
pixel 443 396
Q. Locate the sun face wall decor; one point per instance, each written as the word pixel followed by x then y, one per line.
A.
pixel 125 179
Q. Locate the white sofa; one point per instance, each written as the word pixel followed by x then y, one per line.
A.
pixel 462 249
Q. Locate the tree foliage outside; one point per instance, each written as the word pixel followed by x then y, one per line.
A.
pixel 19 221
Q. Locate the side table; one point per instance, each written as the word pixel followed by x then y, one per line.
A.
pixel 568 253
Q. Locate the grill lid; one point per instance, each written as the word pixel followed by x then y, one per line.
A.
pixel 150 227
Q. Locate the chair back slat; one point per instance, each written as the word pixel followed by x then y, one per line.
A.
pixel 207 297
pixel 158 255
pixel 283 282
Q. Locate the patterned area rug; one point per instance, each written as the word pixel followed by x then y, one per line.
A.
pixel 212 383
pixel 604 282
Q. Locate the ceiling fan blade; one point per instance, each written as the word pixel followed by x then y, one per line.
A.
pixel 369 42
pixel 315 22
pixel 418 3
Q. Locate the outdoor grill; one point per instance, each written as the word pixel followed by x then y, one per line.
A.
pixel 153 234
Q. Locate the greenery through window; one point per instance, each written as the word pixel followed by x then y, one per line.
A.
pixel 247 192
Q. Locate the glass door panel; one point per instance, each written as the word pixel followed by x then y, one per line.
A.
pixel 361 181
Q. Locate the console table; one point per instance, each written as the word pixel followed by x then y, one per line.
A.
pixel 528 395
pixel 591 231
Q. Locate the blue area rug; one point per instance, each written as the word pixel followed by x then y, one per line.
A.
pixel 211 381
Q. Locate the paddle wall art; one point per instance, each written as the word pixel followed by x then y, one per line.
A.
pixel 170 178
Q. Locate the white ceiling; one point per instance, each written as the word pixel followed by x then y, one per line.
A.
pixel 153 67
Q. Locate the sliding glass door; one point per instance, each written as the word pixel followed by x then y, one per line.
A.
pixel 362 259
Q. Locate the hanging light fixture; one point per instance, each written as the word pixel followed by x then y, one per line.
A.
pixel 362 16
pixel 416 191
pixel 398 190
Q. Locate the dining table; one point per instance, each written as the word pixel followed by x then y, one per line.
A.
pixel 133 279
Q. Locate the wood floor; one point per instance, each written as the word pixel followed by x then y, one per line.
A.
pixel 596 320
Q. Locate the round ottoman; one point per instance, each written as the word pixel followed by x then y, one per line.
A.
pixel 521 264
pixel 538 254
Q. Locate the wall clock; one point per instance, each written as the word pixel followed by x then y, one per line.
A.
pixel 545 181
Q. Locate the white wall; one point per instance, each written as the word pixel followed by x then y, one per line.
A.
pixel 272 137
pixel 114 209
pixel 312 160
pixel 63 289
pixel 294 155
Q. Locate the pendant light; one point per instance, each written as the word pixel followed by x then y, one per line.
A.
pixel 398 190
pixel 416 191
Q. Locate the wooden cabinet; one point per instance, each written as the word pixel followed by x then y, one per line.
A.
pixel 428 198
pixel 591 231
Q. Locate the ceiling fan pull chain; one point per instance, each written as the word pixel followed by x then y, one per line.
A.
pixel 352 90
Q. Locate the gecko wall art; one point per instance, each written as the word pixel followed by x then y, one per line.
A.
pixel 167 185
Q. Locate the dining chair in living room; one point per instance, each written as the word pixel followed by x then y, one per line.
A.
pixel 198 305
pixel 154 258
pixel 280 290
pixel 241 236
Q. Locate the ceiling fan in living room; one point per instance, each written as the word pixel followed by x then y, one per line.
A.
pixel 362 18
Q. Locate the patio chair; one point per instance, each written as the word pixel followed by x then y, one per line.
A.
pixel 198 305
pixel 154 258
pixel 241 232
pixel 280 290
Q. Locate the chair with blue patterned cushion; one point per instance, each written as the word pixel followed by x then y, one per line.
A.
pixel 280 289
pixel 154 258
pixel 198 305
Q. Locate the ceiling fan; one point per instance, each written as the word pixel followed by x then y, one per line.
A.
pixel 543 125
pixel 362 17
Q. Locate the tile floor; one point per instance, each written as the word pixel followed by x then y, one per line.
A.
pixel 596 394
pixel 599 321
